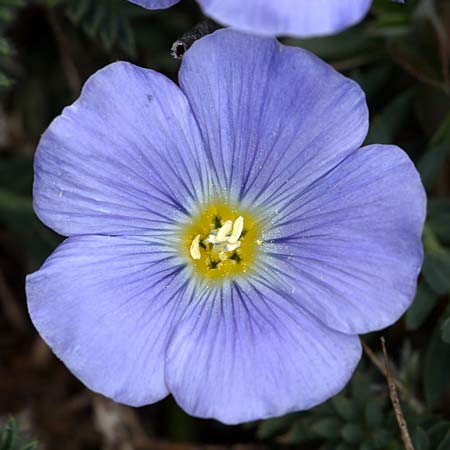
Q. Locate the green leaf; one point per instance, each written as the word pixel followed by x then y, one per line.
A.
pixel 445 444
pixel 17 214
pixel 438 432
pixel 436 270
pixel 8 11
pixel 438 218
pixel 11 439
pixel 445 330
pixel 31 446
pixel 381 438
pixel 8 435
pixel 422 50
pixel 107 21
pixel 344 407
pixel 352 44
pixel 352 433
pixel 16 175
pixel 367 446
pixel 425 301
pixel 374 414
pixel 436 265
pixel 385 127
pixel 272 427
pixel 421 440
pixel 343 447
pixel 431 163
pixel 437 369
pixel 327 428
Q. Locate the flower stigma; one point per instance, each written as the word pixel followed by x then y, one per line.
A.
pixel 221 241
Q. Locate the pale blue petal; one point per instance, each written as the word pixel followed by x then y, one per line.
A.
pixel 155 4
pixel 126 157
pixel 105 306
pixel 302 18
pixel 349 248
pixel 246 351
pixel 266 111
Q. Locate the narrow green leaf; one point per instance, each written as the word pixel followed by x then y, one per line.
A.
pixel 445 444
pixel 30 446
pixel 352 433
pixel 438 218
pixel 374 414
pixel 8 435
pixel 430 164
pixel 425 301
pixel 438 432
pixel 271 427
pixel 436 266
pixel 421 440
pixel 445 331
pixel 344 407
pixel 436 270
pixel 385 126
pixel 437 369
pixel 327 428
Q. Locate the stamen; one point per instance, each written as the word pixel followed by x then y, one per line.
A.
pixel 224 231
pixel 238 226
pixel 232 247
pixel 222 241
pixel 195 248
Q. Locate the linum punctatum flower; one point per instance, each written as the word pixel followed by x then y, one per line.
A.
pixel 301 18
pixel 227 240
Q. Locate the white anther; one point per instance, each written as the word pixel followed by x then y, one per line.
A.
pixel 232 247
pixel 225 240
pixel 238 227
pixel 224 231
pixel 212 238
pixel 195 248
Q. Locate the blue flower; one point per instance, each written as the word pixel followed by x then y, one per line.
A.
pixel 227 240
pixel 302 18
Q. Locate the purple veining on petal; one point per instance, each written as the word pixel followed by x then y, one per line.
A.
pixel 272 129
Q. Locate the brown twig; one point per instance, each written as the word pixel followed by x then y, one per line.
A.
pixel 395 400
pixel 415 403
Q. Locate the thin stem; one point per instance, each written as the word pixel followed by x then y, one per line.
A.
pixel 395 400
pixel 415 403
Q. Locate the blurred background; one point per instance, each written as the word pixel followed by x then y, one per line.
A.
pixel 401 57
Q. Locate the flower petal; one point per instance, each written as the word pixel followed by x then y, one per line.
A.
pixel 126 157
pixel 302 18
pixel 245 352
pixel 350 247
pixel 155 4
pixel 275 118
pixel 105 306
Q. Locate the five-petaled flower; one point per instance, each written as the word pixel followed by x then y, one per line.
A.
pixel 227 240
pixel 301 18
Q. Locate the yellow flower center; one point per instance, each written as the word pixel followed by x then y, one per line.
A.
pixel 222 241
